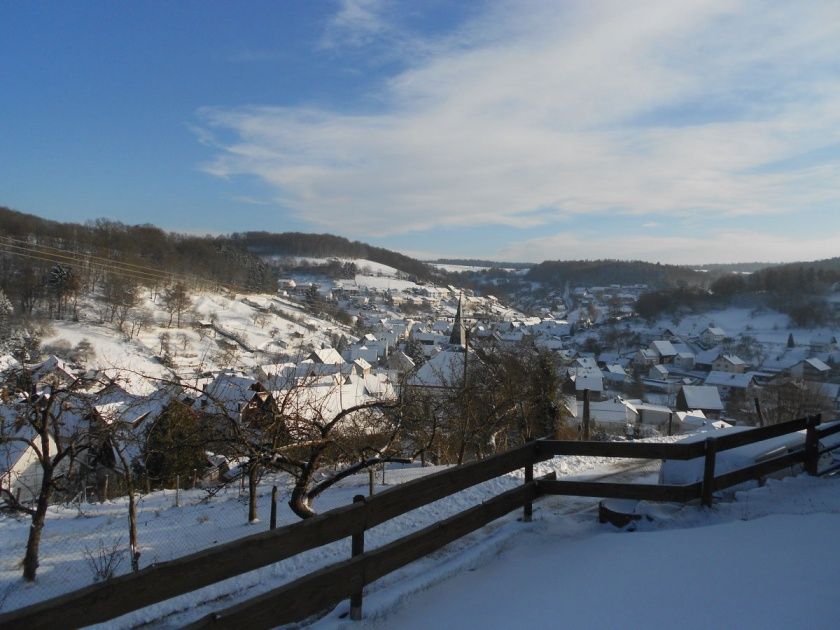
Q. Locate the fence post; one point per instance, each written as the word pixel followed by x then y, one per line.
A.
pixel 812 445
pixel 272 524
pixel 357 549
pixel 586 414
pixel 177 490
pixel 709 473
pixel 528 508
pixel 370 481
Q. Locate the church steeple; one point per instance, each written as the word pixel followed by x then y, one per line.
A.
pixel 458 336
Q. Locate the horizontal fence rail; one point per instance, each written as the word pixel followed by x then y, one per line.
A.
pixel 312 593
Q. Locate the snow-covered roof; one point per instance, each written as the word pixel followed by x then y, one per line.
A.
pixel 817 364
pixel 587 378
pixel 663 348
pixel 660 371
pixel 717 378
pixel 702 397
pixel 328 356
pixel 445 369
pixel 733 359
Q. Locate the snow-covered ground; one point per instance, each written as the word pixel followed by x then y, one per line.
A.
pixel 167 531
pixel 765 559
pixel 768 560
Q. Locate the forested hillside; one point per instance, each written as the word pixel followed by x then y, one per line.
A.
pixel 606 272
pixel 326 245
pixel 32 246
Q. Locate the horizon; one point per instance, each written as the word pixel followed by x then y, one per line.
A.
pixel 497 130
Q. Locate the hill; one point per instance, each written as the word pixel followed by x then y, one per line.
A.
pixel 606 272
pixel 31 245
pixel 328 245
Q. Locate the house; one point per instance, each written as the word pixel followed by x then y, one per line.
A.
pixel 658 372
pixel 645 358
pixel 443 371
pixel 728 383
pixel 579 380
pixel 20 470
pixel 664 351
pixel 400 362
pixel 704 359
pixel 702 397
pixel 368 352
pixel 712 336
pixel 585 363
pixel 615 374
pixel 326 356
pixel 823 342
pixel 810 369
pixel 361 367
pixel 729 363
pixel 613 416
pixel 53 371
pixel 684 361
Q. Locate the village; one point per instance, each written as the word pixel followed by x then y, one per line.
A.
pixel 620 376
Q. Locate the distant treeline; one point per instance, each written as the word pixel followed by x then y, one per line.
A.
pixel 606 272
pixel 326 245
pixel 797 289
pixel 218 259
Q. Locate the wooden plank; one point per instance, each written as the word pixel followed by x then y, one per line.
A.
pixel 734 440
pixel 639 450
pixel 830 429
pixel 640 492
pixel 733 478
pixel 158 582
pixel 419 492
pixel 830 469
pixel 313 593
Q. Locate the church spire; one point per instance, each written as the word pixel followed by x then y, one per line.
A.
pixel 458 337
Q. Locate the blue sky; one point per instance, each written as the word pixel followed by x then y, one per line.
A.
pixel 683 132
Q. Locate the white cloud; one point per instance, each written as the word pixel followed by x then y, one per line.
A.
pixel 720 246
pixel 553 108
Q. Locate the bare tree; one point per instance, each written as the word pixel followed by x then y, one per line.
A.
pixel 176 300
pixel 47 424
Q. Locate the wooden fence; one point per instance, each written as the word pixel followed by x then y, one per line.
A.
pixel 315 592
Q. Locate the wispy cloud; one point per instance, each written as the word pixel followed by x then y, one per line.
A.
pixel 717 246
pixel 356 23
pixel 538 111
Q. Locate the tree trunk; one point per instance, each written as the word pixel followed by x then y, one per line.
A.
pixel 132 529
pixel 299 501
pixel 253 478
pixel 33 543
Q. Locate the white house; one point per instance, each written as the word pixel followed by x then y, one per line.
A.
pixel 712 336
pixel 729 363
